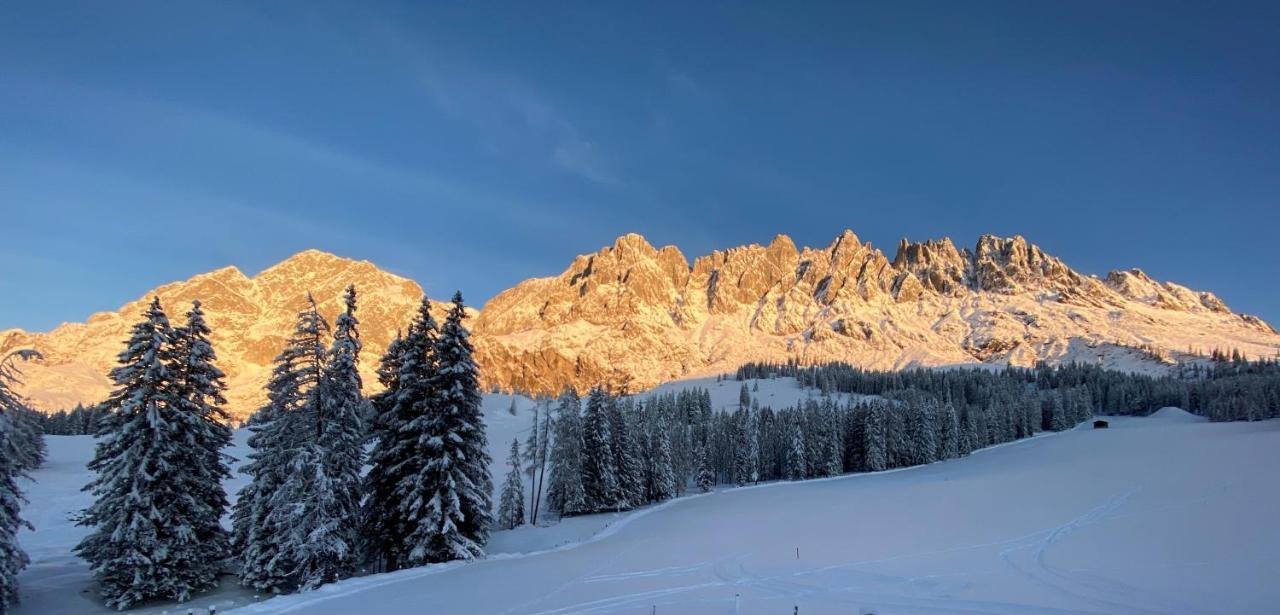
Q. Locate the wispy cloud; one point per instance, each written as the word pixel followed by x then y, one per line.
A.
pixel 507 113
pixel 580 157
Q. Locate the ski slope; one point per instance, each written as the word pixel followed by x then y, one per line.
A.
pixel 1167 514
pixel 1155 515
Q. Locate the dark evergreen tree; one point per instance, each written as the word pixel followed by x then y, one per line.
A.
pixel 662 484
pixel 328 502
pixel 796 463
pixel 399 449
pixel 12 558
pixel 511 502
pixel 599 467
pixel 266 528
pixel 449 501
pixel 199 386
pixel 626 452
pixel 565 494
pixel 874 440
pixel 141 545
pixel 706 475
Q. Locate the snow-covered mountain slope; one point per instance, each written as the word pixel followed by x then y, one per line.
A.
pixel 1133 519
pixel 250 318
pixel 633 315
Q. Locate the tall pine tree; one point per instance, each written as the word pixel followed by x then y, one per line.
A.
pixel 511 503
pixel 12 558
pixel 142 545
pixel 330 517
pixel 565 494
pixel 450 498
pixel 408 370
pixel 266 527
pixel 599 466
pixel 199 385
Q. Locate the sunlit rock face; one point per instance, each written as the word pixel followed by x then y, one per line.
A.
pixel 631 315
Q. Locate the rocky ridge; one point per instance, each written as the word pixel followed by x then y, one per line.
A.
pixel 632 316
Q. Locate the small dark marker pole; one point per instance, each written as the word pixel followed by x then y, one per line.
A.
pixel 797 554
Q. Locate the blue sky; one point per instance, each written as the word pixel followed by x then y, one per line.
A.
pixel 472 145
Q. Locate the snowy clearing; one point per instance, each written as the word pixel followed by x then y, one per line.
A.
pixel 1151 515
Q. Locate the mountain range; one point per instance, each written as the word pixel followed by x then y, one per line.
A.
pixel 632 316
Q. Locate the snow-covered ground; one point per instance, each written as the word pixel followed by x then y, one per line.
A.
pixel 1161 514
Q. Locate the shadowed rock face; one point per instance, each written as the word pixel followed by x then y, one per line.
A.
pixel 631 315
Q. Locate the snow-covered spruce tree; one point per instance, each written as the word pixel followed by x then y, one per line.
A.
pixel 328 520
pixel 27 443
pixel 511 503
pixel 948 432
pixel 199 385
pixel 796 464
pixel 447 503
pixel 706 474
pixel 744 452
pixel 408 359
pixel 565 494
pixel 663 480
pixel 389 376
pixel 626 450
pixel 143 545
pixel 873 438
pixel 12 558
pixel 265 529
pixel 833 450
pixel 599 467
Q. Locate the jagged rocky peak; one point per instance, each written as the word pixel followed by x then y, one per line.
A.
pixel 634 266
pixel 1011 264
pixel 934 265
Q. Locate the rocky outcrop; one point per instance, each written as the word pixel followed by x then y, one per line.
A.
pixel 631 316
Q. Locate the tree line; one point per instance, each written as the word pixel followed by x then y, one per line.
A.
pixel 1222 389
pixel 616 452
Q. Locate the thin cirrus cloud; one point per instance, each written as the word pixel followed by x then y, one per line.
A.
pixel 506 113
